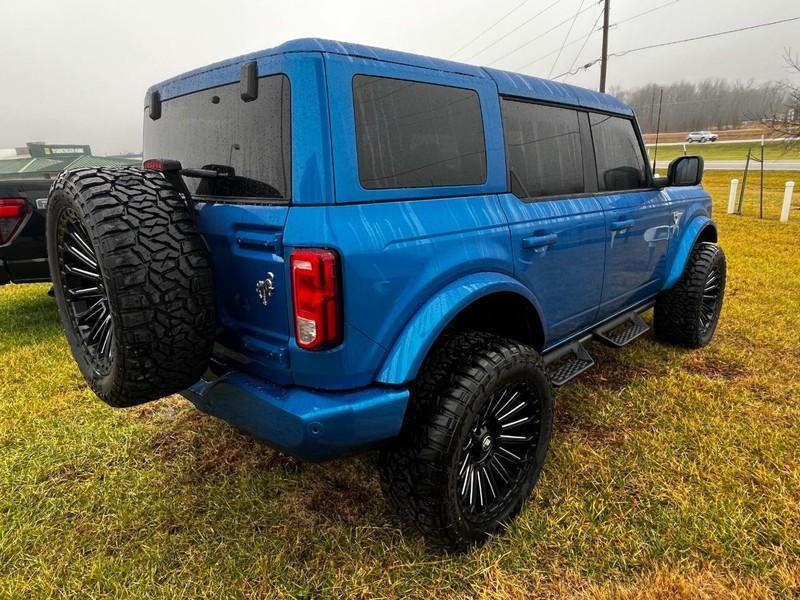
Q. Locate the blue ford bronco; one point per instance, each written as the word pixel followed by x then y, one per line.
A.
pixel 335 247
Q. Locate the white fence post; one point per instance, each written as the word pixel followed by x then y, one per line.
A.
pixel 787 201
pixel 732 196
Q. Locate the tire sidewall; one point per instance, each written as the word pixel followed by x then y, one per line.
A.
pixel 59 202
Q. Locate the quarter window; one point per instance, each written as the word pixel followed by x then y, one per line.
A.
pixel 543 147
pixel 620 163
pixel 413 134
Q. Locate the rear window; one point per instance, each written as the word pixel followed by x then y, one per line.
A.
pixel 620 162
pixel 249 142
pixel 413 134
pixel 543 146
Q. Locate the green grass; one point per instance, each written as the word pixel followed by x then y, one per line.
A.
pixel 672 474
pixel 728 151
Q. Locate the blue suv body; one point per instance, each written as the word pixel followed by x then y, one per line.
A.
pixel 414 258
pixel 385 204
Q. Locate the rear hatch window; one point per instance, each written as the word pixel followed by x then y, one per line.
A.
pixel 250 142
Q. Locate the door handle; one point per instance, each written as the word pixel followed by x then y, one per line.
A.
pixel 622 225
pixel 539 241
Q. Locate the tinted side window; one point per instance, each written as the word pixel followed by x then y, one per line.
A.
pixel 543 148
pixel 248 142
pixel 620 164
pixel 411 134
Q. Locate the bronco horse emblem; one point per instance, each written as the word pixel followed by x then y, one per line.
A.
pixel 265 287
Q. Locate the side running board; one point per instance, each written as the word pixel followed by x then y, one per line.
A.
pixel 567 363
pixel 622 330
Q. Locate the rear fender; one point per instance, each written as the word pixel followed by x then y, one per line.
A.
pixel 412 346
pixel 698 227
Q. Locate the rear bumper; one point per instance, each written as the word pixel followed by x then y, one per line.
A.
pixel 312 425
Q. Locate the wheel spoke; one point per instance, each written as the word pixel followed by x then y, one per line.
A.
pixel 500 469
pixel 90 312
pixel 507 453
pixel 105 346
pixel 488 477
pixel 82 242
pixel 515 423
pixel 509 401
pixel 466 481
pixel 511 412
pixel 91 275
pixel 480 486
pixel 89 292
pixel 80 255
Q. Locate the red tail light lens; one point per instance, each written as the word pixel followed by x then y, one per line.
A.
pixel 317 304
pixel 161 164
pixel 12 214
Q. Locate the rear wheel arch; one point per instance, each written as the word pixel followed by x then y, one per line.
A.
pixel 487 301
pixel 504 314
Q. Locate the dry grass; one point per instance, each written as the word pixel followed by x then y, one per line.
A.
pixel 672 474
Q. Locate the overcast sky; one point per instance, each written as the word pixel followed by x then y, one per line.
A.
pixel 75 71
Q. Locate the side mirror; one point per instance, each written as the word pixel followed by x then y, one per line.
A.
pixel 685 170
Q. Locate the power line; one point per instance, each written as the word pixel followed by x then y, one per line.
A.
pixel 576 40
pixel 492 26
pixel 586 40
pixel 704 37
pixel 541 35
pixel 645 12
pixel 566 37
pixel 674 42
pixel 517 28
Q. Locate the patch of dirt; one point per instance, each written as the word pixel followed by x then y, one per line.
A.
pixel 342 497
pixel 613 375
pixel 210 449
pixel 161 411
pixel 713 368
pixel 568 423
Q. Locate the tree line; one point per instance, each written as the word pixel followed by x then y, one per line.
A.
pixel 710 104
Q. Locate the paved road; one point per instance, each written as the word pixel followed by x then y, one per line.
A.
pixel 738 165
pixel 756 141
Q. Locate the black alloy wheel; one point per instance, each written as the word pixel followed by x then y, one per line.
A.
pixel 84 291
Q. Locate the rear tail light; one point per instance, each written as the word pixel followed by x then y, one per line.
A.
pixel 164 165
pixel 12 213
pixel 317 303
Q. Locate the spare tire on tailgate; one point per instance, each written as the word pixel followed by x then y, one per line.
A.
pixel 133 282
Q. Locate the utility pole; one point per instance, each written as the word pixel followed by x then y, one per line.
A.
pixel 604 57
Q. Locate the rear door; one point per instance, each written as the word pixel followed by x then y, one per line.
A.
pixel 639 218
pixel 557 225
pixel 207 124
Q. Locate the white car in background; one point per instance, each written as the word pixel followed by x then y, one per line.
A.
pixel 701 136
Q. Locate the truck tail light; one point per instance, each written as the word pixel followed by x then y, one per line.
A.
pixel 317 301
pixel 12 213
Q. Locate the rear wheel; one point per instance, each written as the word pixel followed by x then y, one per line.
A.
pixel 132 281
pixel 688 313
pixel 474 442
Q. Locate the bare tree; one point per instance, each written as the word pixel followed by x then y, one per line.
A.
pixel 786 122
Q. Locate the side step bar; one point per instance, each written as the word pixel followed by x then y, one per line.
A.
pixel 622 330
pixel 567 362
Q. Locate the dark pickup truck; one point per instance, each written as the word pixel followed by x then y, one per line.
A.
pixel 23 252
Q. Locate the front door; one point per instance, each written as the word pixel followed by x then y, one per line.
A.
pixel 557 226
pixel 639 219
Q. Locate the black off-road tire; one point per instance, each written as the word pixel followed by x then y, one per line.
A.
pixel 154 279
pixel 420 472
pixel 683 315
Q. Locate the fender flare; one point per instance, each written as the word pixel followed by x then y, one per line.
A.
pixel 686 244
pixel 412 345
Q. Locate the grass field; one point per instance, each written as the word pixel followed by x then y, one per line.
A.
pixel 672 474
pixel 729 151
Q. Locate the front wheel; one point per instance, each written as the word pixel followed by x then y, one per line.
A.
pixel 688 313
pixel 474 441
